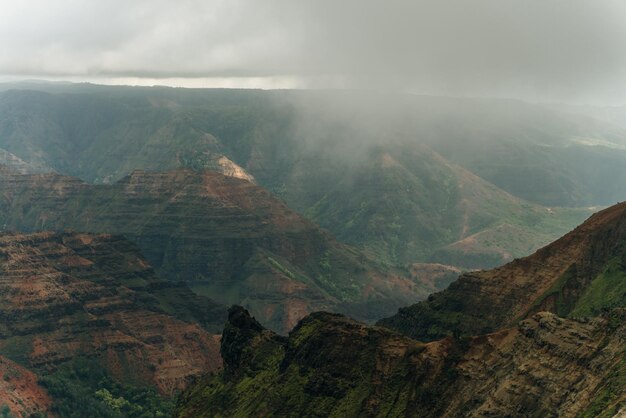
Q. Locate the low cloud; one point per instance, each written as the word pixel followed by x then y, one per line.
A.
pixel 572 50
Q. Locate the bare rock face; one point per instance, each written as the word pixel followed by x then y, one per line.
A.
pixel 229 168
pixel 20 392
pixel 226 237
pixel 548 366
pixel 64 295
pixel 333 366
pixel 552 279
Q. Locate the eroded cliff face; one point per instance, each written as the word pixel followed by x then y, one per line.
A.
pixel 226 237
pixel 501 348
pixel 333 366
pixel 553 279
pixel 20 392
pixel 65 295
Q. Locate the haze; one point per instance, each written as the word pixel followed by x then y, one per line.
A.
pixel 570 51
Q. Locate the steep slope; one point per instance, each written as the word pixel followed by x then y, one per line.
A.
pixel 332 366
pixel 499 352
pixel 579 274
pixel 103 136
pixel 20 393
pixel 313 150
pixel 103 133
pixel 225 237
pixel 67 295
pixel 406 204
pixel 434 276
pixel 17 164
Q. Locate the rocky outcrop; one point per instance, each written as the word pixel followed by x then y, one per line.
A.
pixel 552 279
pixel 226 237
pixel 332 366
pixel 229 168
pixel 242 337
pixel 65 295
pixel 503 349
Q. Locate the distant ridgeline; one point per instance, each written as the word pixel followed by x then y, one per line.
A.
pixel 468 182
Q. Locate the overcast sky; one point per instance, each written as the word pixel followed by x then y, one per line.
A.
pixel 555 50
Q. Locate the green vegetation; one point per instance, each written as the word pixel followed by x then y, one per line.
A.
pixel 331 366
pixel 17 347
pixel 402 197
pixel 609 399
pixel 606 291
pixel 557 291
pixel 281 268
pixel 212 233
pixel 311 375
pixel 83 388
pixel 5 412
pixel 432 320
pixel 405 204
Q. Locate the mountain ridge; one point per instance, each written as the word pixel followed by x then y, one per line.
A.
pixel 504 342
pixel 550 279
pixel 227 238
pixel 547 366
pixel 307 147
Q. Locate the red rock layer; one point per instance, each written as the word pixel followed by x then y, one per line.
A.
pixel 65 295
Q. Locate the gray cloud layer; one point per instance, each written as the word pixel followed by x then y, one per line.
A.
pixel 534 49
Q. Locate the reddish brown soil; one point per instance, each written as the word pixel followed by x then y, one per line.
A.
pixel 20 392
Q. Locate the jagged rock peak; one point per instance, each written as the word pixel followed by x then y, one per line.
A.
pixel 243 336
pixel 240 318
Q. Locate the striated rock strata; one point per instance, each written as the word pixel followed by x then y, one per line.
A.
pixel 226 237
pixel 332 366
pixel 502 346
pixel 20 392
pixel 64 295
pixel 556 278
